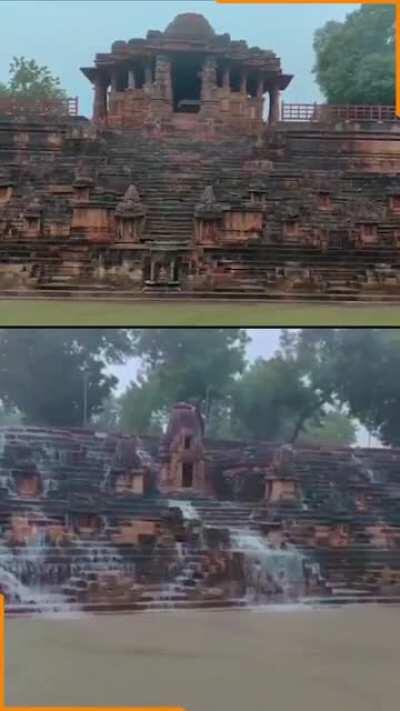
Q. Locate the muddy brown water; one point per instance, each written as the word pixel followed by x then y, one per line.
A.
pixel 313 660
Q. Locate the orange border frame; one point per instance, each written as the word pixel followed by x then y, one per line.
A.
pixel 3 707
pixel 339 2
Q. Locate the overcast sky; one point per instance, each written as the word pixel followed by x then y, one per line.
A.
pixel 66 34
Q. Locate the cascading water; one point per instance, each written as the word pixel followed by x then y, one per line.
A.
pixel 366 470
pixel 175 590
pixel 189 513
pixel 145 457
pixel 269 571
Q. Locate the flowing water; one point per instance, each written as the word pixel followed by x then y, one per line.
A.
pixel 269 570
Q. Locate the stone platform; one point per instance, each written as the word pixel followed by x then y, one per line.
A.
pixel 114 523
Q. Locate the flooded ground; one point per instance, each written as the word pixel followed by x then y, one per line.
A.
pixel 207 661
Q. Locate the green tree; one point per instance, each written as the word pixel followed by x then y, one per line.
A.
pixel 335 429
pixel 179 364
pixel 141 409
pixel 42 371
pixel 273 402
pixel 355 59
pixel 360 368
pixel 28 80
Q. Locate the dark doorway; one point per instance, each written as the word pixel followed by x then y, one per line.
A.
pixel 187 475
pixel 186 84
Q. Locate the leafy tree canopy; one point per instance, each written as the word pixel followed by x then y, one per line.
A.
pixel 358 368
pixel 272 402
pixel 42 371
pixel 355 59
pixel 30 81
pixel 335 429
pixel 179 364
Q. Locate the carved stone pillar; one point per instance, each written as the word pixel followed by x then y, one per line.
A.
pixel 163 77
pixel 131 79
pixel 148 75
pixel 243 82
pixel 100 98
pixel 274 109
pixel 209 79
pixel 226 78
pixel 114 80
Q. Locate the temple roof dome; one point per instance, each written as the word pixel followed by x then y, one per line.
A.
pixel 190 25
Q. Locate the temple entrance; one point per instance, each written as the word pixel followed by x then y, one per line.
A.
pixel 186 84
pixel 187 475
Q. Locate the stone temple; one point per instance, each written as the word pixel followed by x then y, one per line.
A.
pixel 102 522
pixel 194 179
pixel 185 77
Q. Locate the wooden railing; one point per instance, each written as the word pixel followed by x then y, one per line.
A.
pixel 14 108
pixel 329 112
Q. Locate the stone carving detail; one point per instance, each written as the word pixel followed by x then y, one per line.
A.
pixel 130 216
pixel 208 217
pixel 33 215
pixel 163 78
pixel 208 206
pixel 209 79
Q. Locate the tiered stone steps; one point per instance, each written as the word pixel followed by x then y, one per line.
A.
pixel 94 570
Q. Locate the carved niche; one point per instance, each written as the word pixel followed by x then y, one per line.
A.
pixel 208 223
pixel 130 217
pixel 33 219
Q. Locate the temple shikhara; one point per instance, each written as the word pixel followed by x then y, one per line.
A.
pixel 107 522
pixel 194 178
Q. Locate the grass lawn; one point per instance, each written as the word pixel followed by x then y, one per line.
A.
pixel 63 313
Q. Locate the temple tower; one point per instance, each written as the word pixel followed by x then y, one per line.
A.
pixel 182 452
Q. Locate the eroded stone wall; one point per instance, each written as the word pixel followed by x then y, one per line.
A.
pixel 307 211
pixel 90 521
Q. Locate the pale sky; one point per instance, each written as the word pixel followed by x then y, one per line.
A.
pixel 66 34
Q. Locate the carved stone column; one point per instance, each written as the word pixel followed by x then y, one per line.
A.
pixel 243 82
pixel 227 78
pixel 100 98
pixel 209 79
pixel 114 80
pixel 163 77
pixel 148 76
pixel 260 87
pixel 131 79
pixel 274 109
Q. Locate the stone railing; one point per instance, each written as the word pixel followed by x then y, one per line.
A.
pixel 330 112
pixel 15 107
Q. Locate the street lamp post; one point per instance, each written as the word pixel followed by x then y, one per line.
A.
pixel 85 397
